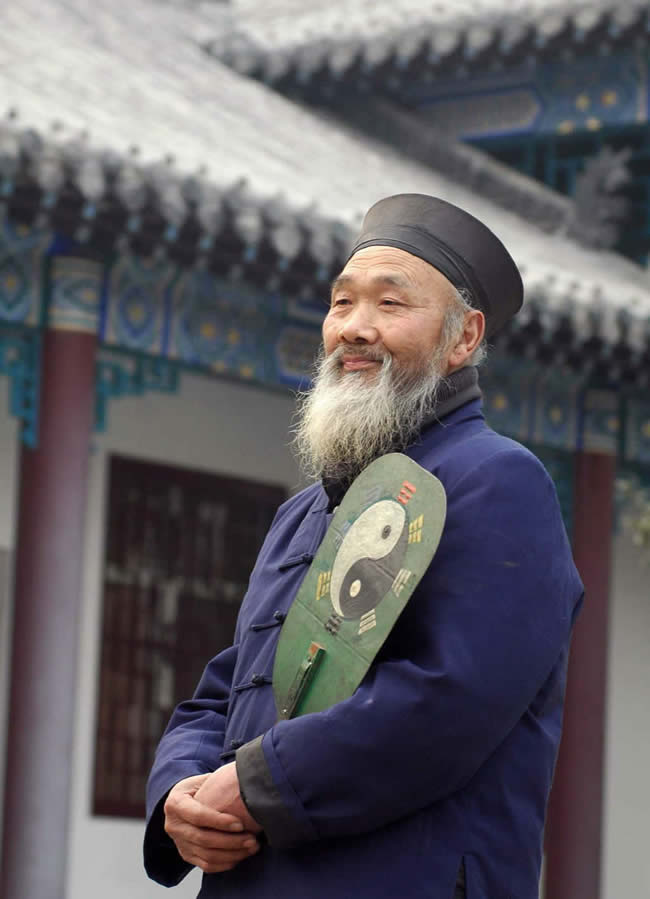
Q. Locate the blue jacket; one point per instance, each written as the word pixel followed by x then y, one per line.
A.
pixel 445 753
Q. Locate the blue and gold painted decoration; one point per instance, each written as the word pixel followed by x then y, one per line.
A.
pixel 601 421
pixel 22 252
pixel 191 317
pixel 562 98
pixel 295 353
pixel 123 375
pixel 225 326
pixel 637 430
pixel 556 409
pixel 75 293
pixel 557 405
pixel 508 396
pixel 587 94
pixel 135 304
pixel 20 360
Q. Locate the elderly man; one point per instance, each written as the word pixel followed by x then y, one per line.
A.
pixel 432 779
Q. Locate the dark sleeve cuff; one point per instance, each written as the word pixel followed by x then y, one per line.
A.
pixel 263 799
pixel 161 859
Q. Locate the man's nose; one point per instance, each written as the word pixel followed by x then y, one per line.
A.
pixel 359 326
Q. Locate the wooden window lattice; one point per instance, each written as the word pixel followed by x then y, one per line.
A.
pixel 180 547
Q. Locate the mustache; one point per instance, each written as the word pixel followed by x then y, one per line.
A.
pixel 372 354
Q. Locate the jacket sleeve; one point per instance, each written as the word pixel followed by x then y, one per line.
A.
pixel 476 643
pixel 192 744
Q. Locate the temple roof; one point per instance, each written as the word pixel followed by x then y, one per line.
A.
pixel 381 42
pixel 123 129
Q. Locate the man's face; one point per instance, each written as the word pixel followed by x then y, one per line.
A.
pixel 387 301
pixel 385 355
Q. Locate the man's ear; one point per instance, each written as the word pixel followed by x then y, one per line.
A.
pixel 471 336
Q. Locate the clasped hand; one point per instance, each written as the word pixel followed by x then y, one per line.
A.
pixel 208 821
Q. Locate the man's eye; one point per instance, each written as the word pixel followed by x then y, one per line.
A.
pixel 340 301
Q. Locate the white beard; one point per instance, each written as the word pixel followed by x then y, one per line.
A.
pixel 348 419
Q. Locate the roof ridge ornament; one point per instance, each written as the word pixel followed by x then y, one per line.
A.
pixel 599 207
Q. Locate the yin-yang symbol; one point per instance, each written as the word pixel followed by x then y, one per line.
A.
pixel 368 559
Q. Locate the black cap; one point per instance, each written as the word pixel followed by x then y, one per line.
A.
pixel 461 247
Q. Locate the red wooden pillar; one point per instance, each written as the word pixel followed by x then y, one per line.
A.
pixel 47 611
pixel 574 827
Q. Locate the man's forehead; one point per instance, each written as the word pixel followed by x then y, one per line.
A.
pixel 385 266
pixel 379 278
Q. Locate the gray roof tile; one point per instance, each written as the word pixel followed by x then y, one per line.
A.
pixel 131 75
pixel 275 40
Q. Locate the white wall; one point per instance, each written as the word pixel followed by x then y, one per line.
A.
pixel 212 425
pixel 626 862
